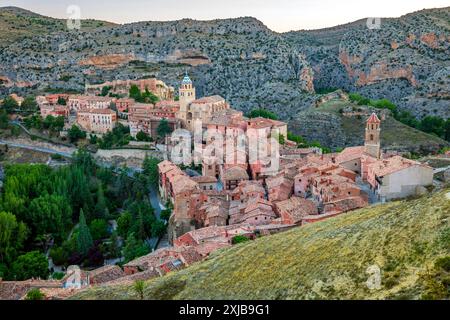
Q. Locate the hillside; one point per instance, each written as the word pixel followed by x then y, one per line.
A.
pixel 17 24
pixel 339 129
pixel 325 260
pixel 405 60
pixel 235 58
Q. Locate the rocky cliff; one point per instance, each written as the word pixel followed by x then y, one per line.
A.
pixel 240 59
pixel 405 60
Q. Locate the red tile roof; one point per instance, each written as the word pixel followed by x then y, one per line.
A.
pixel 373 118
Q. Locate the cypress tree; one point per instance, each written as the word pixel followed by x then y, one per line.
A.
pixel 101 209
pixel 84 240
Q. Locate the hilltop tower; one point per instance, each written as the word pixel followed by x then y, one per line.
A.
pixel 372 144
pixel 186 96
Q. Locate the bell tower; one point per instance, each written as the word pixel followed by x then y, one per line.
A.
pixel 372 140
pixel 186 96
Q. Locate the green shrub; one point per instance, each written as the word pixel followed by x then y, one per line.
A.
pixel 35 294
pixel 59 256
pixel 239 239
pixel 443 263
pixel 58 275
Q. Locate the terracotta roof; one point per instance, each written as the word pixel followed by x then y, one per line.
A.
pixel 278 180
pixel 165 256
pixel 165 166
pixel 182 183
pixel 206 248
pixel 97 111
pixel 260 122
pixel 204 179
pixel 91 98
pixel 216 209
pixel 129 100
pixel 190 255
pixel 350 153
pixel 203 234
pixel 346 204
pixel 210 99
pixel 105 274
pixel 296 208
pixel 144 275
pixel 373 118
pixel 257 203
pixel 235 173
pixel 393 164
pixel 167 104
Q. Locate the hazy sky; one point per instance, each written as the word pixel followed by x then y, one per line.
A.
pixel 279 15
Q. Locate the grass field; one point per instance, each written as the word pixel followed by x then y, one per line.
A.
pixel 325 260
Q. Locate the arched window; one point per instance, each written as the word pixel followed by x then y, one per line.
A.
pixel 371 137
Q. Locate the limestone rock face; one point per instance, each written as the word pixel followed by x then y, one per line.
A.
pixel 239 59
pixel 111 61
pixel 406 60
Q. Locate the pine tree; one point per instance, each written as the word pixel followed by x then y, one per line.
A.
pixel 134 248
pixel 163 128
pixel 84 240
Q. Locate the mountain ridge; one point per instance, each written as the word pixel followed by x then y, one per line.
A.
pixel 247 63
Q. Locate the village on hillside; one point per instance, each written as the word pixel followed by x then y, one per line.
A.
pixel 232 198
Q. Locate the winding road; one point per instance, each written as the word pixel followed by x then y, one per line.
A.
pixel 35 148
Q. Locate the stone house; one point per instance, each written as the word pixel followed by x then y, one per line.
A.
pixel 79 102
pixel 292 210
pixel 397 177
pixel 97 120
pixel 147 117
pixel 280 187
pixel 206 182
pixel 231 177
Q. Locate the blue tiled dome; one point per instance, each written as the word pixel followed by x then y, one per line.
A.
pixel 186 80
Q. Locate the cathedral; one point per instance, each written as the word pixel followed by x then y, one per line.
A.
pixel 193 109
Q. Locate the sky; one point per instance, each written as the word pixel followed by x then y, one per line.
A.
pixel 278 15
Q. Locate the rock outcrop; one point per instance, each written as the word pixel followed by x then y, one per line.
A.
pixel 406 60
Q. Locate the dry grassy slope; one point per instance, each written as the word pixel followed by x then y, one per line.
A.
pixel 326 260
pixel 17 23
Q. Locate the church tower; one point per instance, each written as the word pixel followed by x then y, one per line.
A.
pixel 186 96
pixel 372 141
